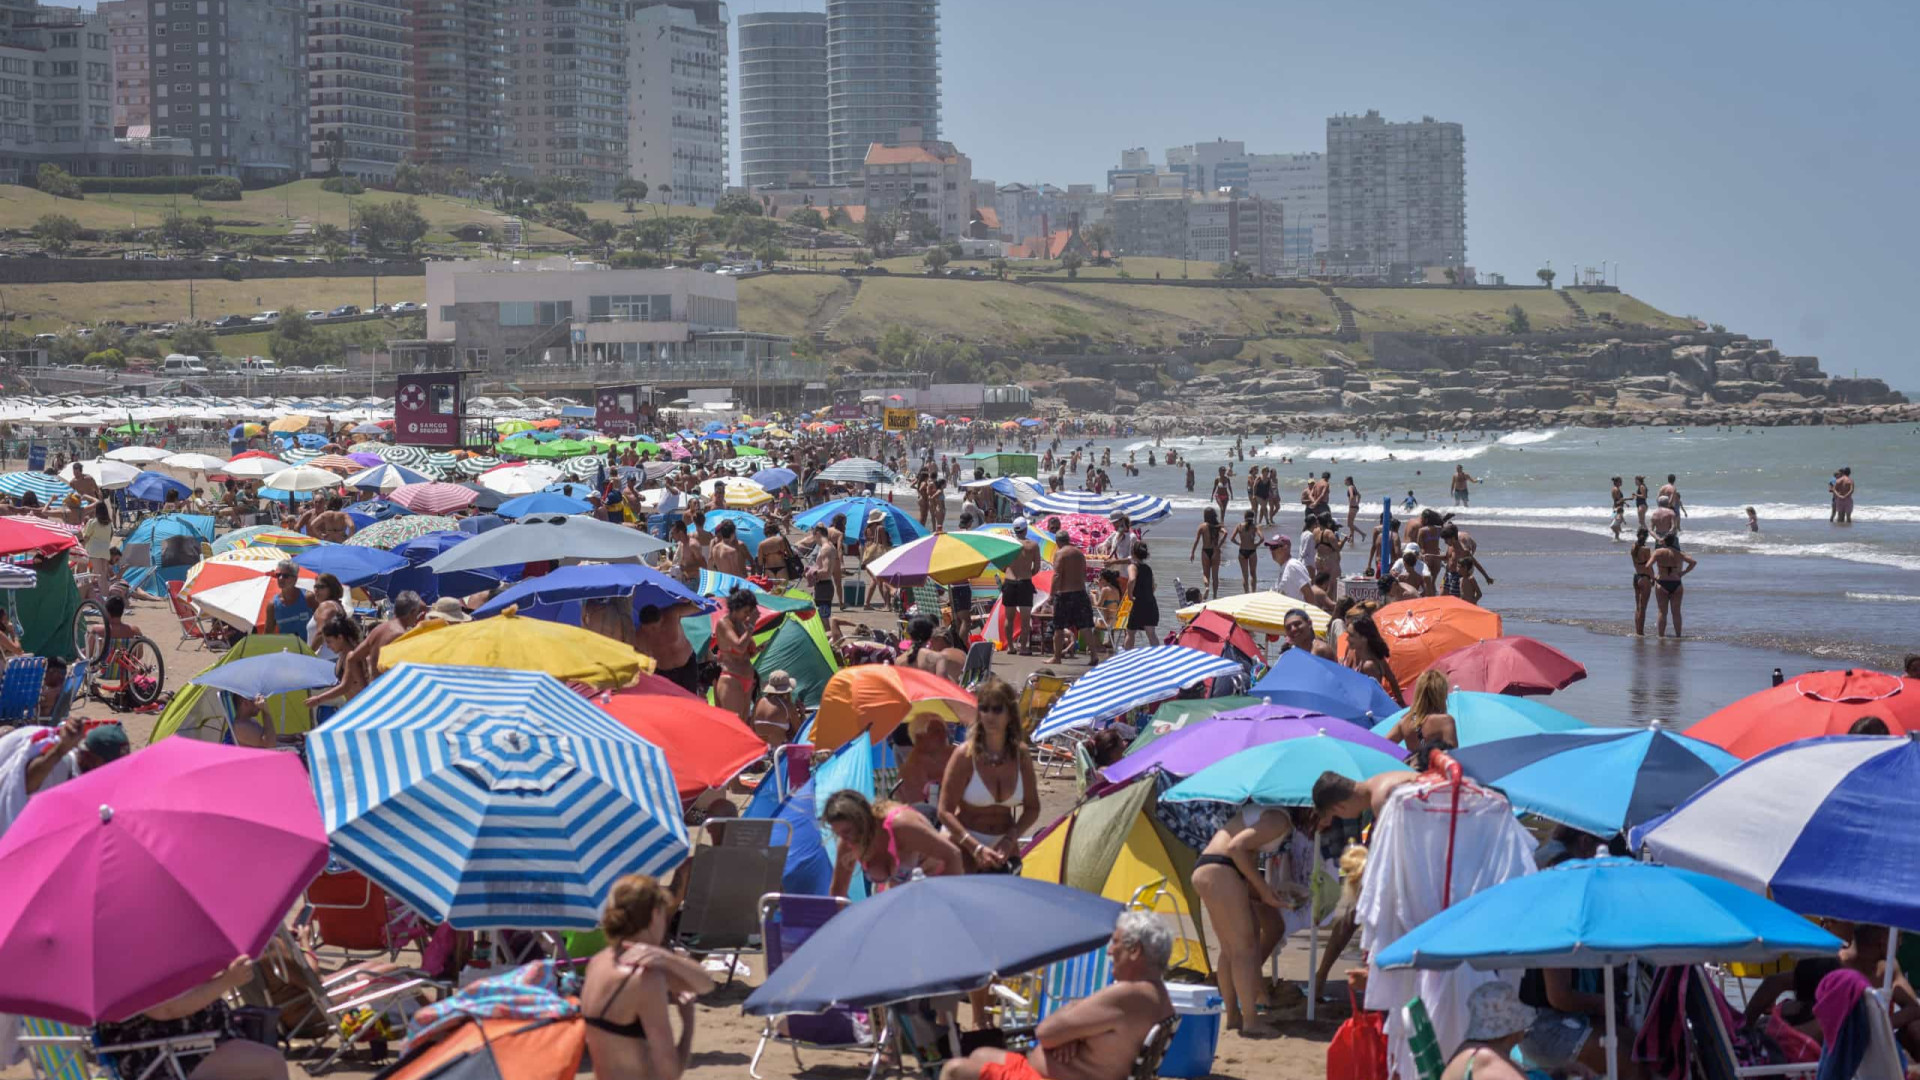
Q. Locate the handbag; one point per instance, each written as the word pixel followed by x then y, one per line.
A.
pixel 1359 1049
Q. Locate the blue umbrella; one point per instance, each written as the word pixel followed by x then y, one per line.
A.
pixel 542 502
pixel 268 674
pixel 1281 773
pixel 572 489
pixel 377 509
pixel 490 798
pixel 479 523
pixel 570 583
pixel 352 565
pixel 386 477
pixel 1480 718
pixel 488 499
pixel 1130 680
pixel 925 938
pixel 153 486
pixel 1140 509
pixel 46 488
pixel 774 479
pixel 719 583
pixel 900 525
pixel 1601 913
pixel 749 529
pixel 1305 681
pixel 1599 781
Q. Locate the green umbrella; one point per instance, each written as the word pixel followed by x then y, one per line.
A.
pixel 797 647
pixel 393 532
pixel 749 451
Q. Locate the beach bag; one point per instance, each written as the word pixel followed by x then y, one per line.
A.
pixel 1359 1049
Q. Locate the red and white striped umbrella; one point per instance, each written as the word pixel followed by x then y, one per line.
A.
pixel 433 498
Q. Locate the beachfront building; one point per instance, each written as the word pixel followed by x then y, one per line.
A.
pixel 923 177
pixel 1150 222
pixel 1298 182
pixel 360 93
pixel 127 23
pixel 57 100
pixel 229 77
pixel 783 99
pixel 1396 195
pixel 567 91
pixel 459 83
pixel 883 76
pixel 677 99
pixel 1219 165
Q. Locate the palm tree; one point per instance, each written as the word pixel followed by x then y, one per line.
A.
pixel 666 193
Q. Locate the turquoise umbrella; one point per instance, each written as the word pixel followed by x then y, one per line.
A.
pixel 1281 773
pixel 1479 718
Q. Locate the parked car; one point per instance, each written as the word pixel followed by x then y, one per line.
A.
pixel 232 320
pixel 259 365
pixel 380 309
pixel 267 317
pixel 182 364
pixel 343 311
pixel 329 369
pixel 408 307
pixel 316 314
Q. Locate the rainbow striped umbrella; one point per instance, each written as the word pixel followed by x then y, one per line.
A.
pixel 945 558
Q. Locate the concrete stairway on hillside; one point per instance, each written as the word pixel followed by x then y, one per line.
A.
pixel 1580 317
pixel 821 332
pixel 512 230
pixel 1349 327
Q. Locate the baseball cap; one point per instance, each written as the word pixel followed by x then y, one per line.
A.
pixel 108 742
pixel 1019 524
pixel 1410 549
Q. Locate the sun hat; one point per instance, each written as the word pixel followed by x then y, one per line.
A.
pixel 777 682
pixel 1494 1011
pixel 448 609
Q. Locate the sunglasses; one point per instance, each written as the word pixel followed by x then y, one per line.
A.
pixel 984 709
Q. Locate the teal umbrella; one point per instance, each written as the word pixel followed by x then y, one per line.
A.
pixel 1281 773
pixel 1480 718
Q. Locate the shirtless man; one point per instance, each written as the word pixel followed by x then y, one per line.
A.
pixel 408 610
pixel 1336 796
pixel 1670 497
pixel 1299 635
pixel 1072 605
pixel 1663 520
pixel 1016 592
pixel 660 636
pixel 1461 497
pixel 1097 1037
pixel 1843 497
pixel 1319 591
pixel 725 552
pixel 85 486
pixel 690 559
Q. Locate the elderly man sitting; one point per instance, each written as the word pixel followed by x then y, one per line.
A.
pixel 1096 1038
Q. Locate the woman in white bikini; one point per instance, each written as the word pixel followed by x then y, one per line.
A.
pixel 990 795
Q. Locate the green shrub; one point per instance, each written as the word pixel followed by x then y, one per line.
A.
pixel 219 189
pixel 57 182
pixel 343 185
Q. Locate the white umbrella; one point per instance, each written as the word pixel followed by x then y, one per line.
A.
pixel 302 478
pixel 548 536
pixel 522 480
pixel 242 603
pixel 110 475
pixel 257 468
pixel 138 455
pixel 200 463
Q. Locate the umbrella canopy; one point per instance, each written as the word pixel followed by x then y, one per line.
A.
pixel 95 865
pixel 46 488
pixel 353 565
pixel 1305 681
pixel 1817 703
pixel 925 938
pixel 945 558
pixel 258 468
pixel 858 470
pixel 706 747
pixel 396 531
pixel 900 525
pixel 492 798
pixel 1262 611
pixel 413 457
pixel 339 463
pixel 1808 823
pixel 298 478
pixel 157 487
pixel 192 462
pixel 1281 773
pixel 739 491
pixel 1420 631
pixel 1222 735
pixel 243 604
pixel 1048 544
pixel 644 584
pixel 385 477
pixel 1601 782
pixel 1510 665
pixel 374 510
pixel 1128 681
pixel 138 455
pixel 19 535
pixel 483 498
pixel 876 698
pixel 750 530
pixel 542 502
pixel 240 564
pixel 269 674
pixel 110 475
pixel 290 423
pixel 518 479
pixel 1140 509
pixel 564 652
pixel 1599 913
pixel 275 537
pixel 545 537
pixel 774 479
pixel 1483 718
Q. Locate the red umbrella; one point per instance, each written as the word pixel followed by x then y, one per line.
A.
pixel 1510 665
pixel 23 535
pixel 1817 703
pixel 705 747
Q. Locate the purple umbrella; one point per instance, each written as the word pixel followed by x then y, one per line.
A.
pixel 369 460
pixel 1196 746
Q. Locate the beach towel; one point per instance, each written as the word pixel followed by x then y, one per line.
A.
pixel 18 748
pixel 530 992
pixel 1856 1035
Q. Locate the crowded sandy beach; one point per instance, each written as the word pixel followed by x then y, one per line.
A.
pixel 792 745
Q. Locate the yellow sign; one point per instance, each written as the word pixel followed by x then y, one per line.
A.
pixel 902 420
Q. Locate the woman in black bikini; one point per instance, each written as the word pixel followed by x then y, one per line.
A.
pixel 1246 537
pixel 1206 540
pixel 1239 901
pixel 624 999
pixel 1669 565
pixel 1640 499
pixel 1642 557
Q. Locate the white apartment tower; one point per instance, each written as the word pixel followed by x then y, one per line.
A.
pixel 1298 182
pixel 1396 194
pixel 883 77
pixel 677 98
pixel 783 98
pixel 360 86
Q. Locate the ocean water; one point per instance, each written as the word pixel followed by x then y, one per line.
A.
pixel 1800 594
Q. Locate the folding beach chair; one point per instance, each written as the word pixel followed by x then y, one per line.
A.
pixel 75 684
pixel 384 988
pixel 725 882
pixel 193 625
pixel 786 922
pixel 1054 756
pixel 20 689
pixel 348 919
pixel 979 664
pixel 56 1051
pixel 1422 1042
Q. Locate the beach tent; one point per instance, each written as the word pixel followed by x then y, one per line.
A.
pixel 1115 848
pixel 482 1049
pixel 798 647
pixel 195 710
pixel 172 543
pixel 998 463
pixel 44 613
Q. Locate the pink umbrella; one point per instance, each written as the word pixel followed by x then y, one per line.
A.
pixel 434 498
pixel 1510 665
pixel 1088 531
pixel 145 878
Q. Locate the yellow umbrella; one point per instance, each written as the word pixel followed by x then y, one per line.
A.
pixel 740 492
pixel 1262 611
pixel 509 641
pixel 290 423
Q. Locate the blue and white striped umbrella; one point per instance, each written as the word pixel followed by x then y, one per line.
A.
pixel 718 583
pixel 1140 509
pixel 45 488
pixel 385 478
pixel 1130 680
pixel 858 470
pixel 491 798
pixel 1812 824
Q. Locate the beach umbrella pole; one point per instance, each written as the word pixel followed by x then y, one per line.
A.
pixel 1613 1035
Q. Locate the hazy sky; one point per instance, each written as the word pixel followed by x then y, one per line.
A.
pixel 1753 163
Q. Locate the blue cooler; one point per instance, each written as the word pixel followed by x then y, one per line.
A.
pixel 1191 1052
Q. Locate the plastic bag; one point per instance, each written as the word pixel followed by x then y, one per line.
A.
pixel 1359 1049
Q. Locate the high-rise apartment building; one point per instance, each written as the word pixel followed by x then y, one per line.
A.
pixel 883 76
pixel 359 86
pixel 567 90
pixel 783 99
pixel 677 98
pixel 1211 166
pixel 230 76
pixel 127 27
pixel 1298 182
pixel 459 83
pixel 56 91
pixel 1396 194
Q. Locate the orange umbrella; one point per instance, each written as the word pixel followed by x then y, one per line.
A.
pixel 546 425
pixel 547 1049
pixel 1426 628
pixel 877 698
pixel 1817 703
pixel 705 747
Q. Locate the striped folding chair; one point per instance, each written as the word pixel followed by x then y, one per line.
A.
pixel 1069 980
pixel 20 689
pixel 55 1051
pixel 1422 1042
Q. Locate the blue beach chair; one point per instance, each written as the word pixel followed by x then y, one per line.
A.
pixel 20 689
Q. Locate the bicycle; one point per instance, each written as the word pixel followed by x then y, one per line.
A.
pixel 90 631
pixel 129 668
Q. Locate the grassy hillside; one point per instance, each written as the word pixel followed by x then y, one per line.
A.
pixel 790 304
pixel 51 308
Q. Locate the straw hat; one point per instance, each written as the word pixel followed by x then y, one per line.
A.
pixel 1495 1012
pixel 777 683
pixel 448 609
